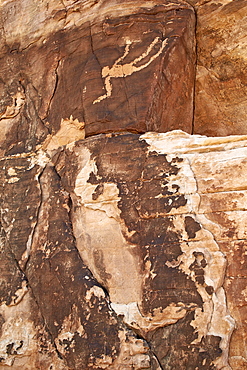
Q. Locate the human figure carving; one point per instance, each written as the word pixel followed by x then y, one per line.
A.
pixel 124 70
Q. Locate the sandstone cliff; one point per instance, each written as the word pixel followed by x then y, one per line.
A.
pixel 123 228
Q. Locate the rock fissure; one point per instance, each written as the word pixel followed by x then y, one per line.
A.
pixel 54 90
pixel 28 251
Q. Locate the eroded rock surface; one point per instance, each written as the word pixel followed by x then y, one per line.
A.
pixel 221 85
pixel 54 314
pixel 122 250
pixel 121 66
pixel 119 261
pixel 114 67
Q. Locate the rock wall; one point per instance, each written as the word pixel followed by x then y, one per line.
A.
pixel 123 238
pixel 221 92
pixel 116 68
pixel 118 261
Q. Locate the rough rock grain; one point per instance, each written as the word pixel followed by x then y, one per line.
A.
pixel 117 261
pixel 54 313
pixel 221 84
pixel 118 250
pixel 115 68
pixel 150 227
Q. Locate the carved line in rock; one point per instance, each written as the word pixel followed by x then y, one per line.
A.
pixel 124 70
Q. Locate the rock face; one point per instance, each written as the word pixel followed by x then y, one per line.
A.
pixel 54 314
pixel 121 248
pixel 120 68
pixel 221 92
pixel 117 261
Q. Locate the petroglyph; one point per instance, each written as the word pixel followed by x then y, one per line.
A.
pixel 127 69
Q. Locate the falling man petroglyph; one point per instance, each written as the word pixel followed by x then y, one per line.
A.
pixel 124 70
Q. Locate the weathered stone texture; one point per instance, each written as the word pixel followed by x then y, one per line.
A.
pixel 221 84
pixel 122 249
pixel 116 261
pixel 114 67
pixel 121 67
pixel 127 261
pixel 54 314
pixel 165 260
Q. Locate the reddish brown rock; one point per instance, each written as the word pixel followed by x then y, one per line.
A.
pixel 221 92
pixel 133 68
pixel 122 251
pixel 117 261
pixel 47 290
pixel 142 225
pixel 127 68
pixel 235 286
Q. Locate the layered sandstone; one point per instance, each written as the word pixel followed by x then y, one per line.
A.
pixel 122 248
pixel 100 247
pixel 105 62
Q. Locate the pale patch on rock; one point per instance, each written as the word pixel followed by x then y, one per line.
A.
pixel 26 254
pixel 104 248
pixel 226 225
pixel 12 180
pixel 13 176
pixel 12 171
pixel 244 293
pixel 18 332
pixel 5 127
pixel 19 294
pixel 119 69
pixel 207 172
pixel 95 291
pixel 177 141
pixel 102 238
pixel 104 362
pixel 134 353
pixel 161 317
pixel 222 325
pixel 21 341
pixel 70 130
pixel 71 325
pixel 14 109
pixel 40 158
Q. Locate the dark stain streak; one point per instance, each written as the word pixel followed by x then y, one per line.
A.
pixel 98 191
pixel 191 226
pixel 9 349
pixel 147 196
pixel 54 89
pixel 50 273
pixel 99 264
